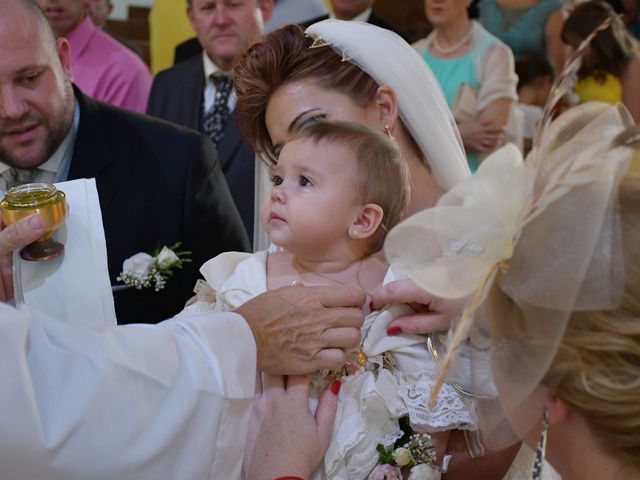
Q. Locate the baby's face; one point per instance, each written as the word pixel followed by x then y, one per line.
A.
pixel 313 200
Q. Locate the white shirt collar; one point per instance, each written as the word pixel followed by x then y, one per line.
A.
pixel 362 17
pixel 209 89
pixel 209 66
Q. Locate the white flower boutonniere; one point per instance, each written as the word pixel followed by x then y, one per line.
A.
pixel 143 270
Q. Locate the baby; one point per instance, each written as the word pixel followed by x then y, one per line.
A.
pixel 338 188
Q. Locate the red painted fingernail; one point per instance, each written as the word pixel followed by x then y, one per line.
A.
pixel 394 330
pixel 335 387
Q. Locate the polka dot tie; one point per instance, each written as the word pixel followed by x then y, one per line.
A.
pixel 216 117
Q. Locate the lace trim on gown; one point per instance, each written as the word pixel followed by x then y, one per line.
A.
pixel 395 382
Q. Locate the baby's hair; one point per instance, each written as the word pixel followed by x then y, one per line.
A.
pixel 383 176
pixel 532 66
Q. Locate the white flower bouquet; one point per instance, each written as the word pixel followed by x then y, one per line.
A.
pixel 415 456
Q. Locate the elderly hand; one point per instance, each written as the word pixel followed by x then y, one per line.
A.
pixel 432 313
pixel 284 438
pixel 14 236
pixel 300 330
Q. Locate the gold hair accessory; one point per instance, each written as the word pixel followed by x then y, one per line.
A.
pixel 346 57
pixel 318 41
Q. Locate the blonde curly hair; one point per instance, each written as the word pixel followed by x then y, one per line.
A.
pixel 597 367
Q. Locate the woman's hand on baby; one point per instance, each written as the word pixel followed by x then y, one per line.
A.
pixel 432 313
pixel 284 438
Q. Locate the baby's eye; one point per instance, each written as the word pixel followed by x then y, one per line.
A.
pixel 276 180
pixel 304 181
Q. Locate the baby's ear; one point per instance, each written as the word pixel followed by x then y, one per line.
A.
pixel 367 222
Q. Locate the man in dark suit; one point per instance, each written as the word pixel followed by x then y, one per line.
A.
pixel 187 49
pixel 361 10
pixel 158 184
pixel 198 93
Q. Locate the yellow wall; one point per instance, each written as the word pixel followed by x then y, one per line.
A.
pixel 168 26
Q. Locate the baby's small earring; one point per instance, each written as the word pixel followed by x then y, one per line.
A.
pixel 387 130
pixel 354 233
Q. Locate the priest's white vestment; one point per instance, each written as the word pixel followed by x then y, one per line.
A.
pixel 166 401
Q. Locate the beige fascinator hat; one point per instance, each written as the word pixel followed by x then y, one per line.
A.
pixel 529 242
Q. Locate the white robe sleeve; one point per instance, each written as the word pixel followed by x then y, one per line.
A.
pixel 167 401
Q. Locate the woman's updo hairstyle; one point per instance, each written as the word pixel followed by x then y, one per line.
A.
pixel 597 368
pixel 284 56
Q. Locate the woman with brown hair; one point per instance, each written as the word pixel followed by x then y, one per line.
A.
pixel 351 71
pixel 357 72
pixel 610 69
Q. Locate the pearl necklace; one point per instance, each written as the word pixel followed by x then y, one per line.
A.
pixel 454 47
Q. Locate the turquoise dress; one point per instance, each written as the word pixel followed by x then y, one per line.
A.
pixel 453 72
pixel 520 28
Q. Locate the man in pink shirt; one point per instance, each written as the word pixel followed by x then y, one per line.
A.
pixel 102 67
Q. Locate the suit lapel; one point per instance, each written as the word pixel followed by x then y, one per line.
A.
pixel 230 142
pixel 192 103
pixel 92 154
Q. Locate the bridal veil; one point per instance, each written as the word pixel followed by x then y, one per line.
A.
pixel 423 109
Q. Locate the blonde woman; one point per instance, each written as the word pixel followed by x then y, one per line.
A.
pixel 556 299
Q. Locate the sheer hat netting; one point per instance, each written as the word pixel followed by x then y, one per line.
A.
pixel 530 242
pixel 423 109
